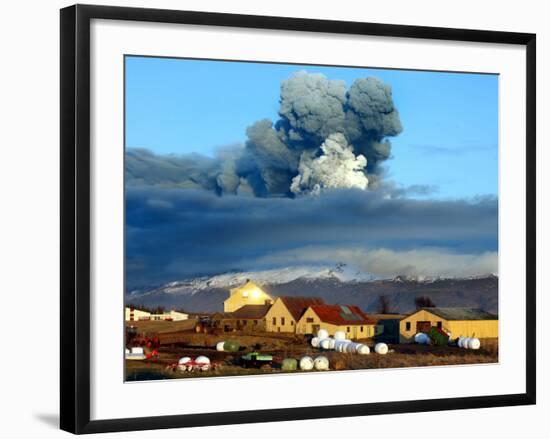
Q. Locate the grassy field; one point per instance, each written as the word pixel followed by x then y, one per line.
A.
pixel 179 339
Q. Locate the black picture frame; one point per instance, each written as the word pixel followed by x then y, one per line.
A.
pixel 75 217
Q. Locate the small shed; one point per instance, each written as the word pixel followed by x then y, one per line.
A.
pixel 467 322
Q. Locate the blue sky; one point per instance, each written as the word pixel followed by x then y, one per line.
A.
pixel 450 120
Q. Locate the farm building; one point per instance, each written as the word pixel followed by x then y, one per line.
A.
pixel 286 311
pixel 467 322
pixel 388 327
pixel 246 318
pixel 347 318
pixel 131 314
pixel 172 315
pixel 247 294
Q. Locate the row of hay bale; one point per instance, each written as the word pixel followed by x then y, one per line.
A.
pixel 468 343
pixel 462 342
pixel 188 364
pixel 305 363
pixel 339 343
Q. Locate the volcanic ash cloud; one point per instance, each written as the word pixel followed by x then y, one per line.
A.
pixel 327 136
pixel 337 167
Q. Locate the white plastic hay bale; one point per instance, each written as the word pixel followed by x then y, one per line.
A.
pixel 460 341
pixel 474 343
pixel 422 338
pixel 321 363
pixel 201 359
pixel 138 350
pixel 465 342
pixel 315 342
pixel 339 335
pixel 325 343
pixel 332 343
pixel 351 348
pixel 381 348
pixel 127 351
pixel 184 360
pixel 219 346
pixel 362 349
pixel 306 363
pixel 322 334
pixel 340 345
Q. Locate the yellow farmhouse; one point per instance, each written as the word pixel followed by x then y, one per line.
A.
pixel 247 294
pixel 286 311
pixel 467 322
pixel 347 318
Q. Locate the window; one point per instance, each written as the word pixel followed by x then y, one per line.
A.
pixel 361 329
pixel 274 321
pixel 347 329
pixel 309 320
pixel 408 326
pixel 440 324
pixel 255 322
pixel 282 321
pixel 292 323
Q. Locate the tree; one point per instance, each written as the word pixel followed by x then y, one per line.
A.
pixel 384 306
pixel 424 302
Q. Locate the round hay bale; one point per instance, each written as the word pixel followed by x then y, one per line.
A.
pixel 332 343
pixel 289 364
pixel 321 363
pixel 381 348
pixel 184 360
pixel 322 334
pixel 325 343
pixel 339 335
pixel 306 363
pixel 474 343
pixel 219 346
pixel 231 346
pixel 465 342
pixel 201 359
pixel 362 349
pixel 421 338
pixel 315 342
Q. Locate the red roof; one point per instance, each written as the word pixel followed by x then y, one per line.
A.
pixel 298 305
pixel 342 315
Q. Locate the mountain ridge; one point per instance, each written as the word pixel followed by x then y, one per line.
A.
pixel 339 284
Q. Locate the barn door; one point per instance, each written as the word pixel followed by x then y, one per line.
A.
pixel 423 326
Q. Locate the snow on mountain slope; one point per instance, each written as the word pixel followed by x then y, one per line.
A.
pixel 340 272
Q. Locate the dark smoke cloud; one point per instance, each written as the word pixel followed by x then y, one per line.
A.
pixel 174 234
pixel 312 109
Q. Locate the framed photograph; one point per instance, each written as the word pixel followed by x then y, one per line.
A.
pixel 275 218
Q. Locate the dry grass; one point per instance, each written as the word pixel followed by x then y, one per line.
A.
pixel 281 346
pixel 162 326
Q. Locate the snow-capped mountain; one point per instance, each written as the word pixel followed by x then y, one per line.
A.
pixel 337 284
pixel 339 272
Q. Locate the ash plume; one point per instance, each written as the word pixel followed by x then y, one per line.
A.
pixel 327 136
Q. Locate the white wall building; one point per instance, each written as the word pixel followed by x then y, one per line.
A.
pixel 132 315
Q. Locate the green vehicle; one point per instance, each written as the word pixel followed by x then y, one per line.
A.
pixel 257 360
